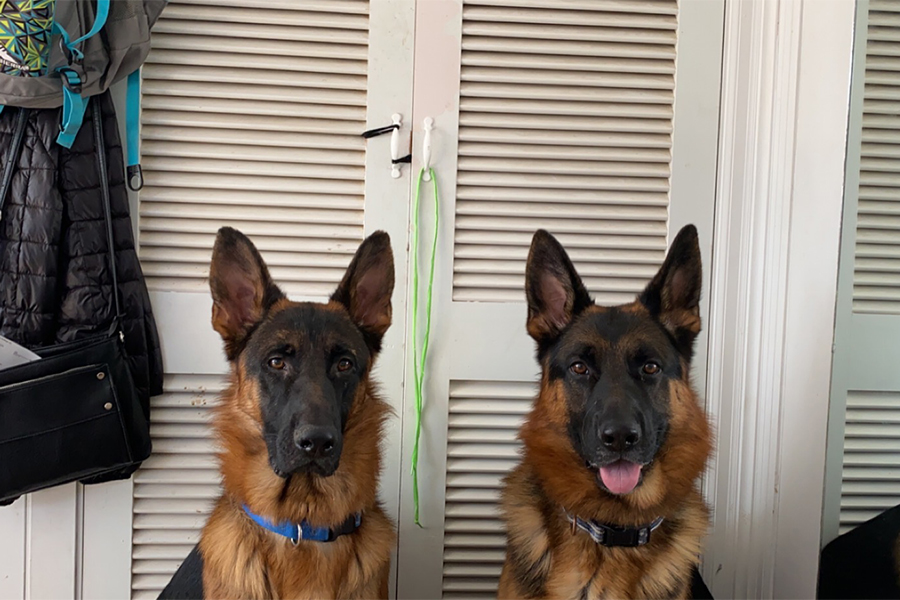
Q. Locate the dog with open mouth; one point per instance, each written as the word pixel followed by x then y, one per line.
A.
pixel 605 502
pixel 300 428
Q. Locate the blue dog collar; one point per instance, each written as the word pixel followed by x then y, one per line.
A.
pixel 304 531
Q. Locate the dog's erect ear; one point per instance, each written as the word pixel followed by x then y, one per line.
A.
pixel 242 289
pixel 553 289
pixel 673 296
pixel 367 286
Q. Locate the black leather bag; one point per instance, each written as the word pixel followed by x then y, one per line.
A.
pixel 75 414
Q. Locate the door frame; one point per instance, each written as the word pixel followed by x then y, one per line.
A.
pixel 778 218
pixel 841 373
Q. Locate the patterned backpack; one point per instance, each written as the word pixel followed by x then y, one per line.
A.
pixel 25 32
pixel 51 56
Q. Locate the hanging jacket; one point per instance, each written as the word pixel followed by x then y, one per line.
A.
pixel 55 285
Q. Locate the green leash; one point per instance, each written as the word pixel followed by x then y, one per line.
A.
pixel 419 368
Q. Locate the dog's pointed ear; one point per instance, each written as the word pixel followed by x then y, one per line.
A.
pixel 367 286
pixel 673 295
pixel 553 289
pixel 241 287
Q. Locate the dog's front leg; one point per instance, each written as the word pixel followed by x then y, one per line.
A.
pixel 217 589
pixel 233 580
pixel 383 585
pixel 375 589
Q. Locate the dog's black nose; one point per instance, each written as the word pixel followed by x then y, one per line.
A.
pixel 620 436
pixel 316 442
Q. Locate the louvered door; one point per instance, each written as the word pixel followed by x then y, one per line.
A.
pixel 595 120
pixel 863 468
pixel 252 115
pixel 251 118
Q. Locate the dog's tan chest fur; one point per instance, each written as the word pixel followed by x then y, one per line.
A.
pixel 243 560
pixel 561 564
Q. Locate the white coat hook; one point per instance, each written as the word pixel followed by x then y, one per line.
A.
pixel 395 145
pixel 426 149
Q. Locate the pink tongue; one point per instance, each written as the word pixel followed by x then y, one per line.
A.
pixel 621 476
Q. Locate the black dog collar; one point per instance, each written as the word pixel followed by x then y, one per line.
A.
pixel 612 536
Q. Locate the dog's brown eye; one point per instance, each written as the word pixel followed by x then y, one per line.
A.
pixel 344 365
pixel 651 368
pixel 579 368
pixel 276 362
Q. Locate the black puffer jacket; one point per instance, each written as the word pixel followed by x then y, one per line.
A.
pixel 55 285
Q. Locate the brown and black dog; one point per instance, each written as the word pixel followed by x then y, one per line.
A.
pixel 300 428
pixel 605 503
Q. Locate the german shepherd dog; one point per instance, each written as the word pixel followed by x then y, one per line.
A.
pixel 605 502
pixel 300 428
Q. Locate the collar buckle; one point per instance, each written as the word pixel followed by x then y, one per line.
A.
pixel 625 536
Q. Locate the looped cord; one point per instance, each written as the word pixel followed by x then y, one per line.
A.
pixel 419 363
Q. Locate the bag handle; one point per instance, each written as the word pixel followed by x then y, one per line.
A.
pixel 12 159
pixel 100 148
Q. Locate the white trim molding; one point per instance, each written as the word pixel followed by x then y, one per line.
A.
pixel 826 58
pixel 774 277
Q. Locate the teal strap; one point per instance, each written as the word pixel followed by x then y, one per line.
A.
pixel 1 108
pixel 133 117
pixel 133 131
pixel 419 367
pixel 99 22
pixel 73 107
pixel 57 28
pixel 73 103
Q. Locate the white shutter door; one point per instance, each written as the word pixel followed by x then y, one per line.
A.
pixel 863 472
pixel 559 115
pixel 482 423
pixel 871 472
pixel 565 123
pixel 876 277
pixel 175 489
pixel 252 117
